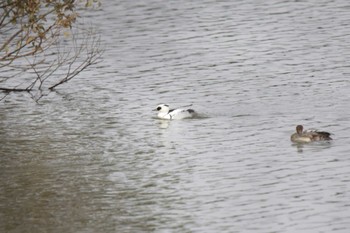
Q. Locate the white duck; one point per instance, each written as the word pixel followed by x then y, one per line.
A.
pixel 164 112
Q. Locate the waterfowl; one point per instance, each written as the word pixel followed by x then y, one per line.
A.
pixel 164 112
pixel 309 136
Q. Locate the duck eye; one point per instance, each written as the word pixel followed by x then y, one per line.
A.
pixel 159 108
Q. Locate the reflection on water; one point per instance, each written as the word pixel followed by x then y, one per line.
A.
pixel 92 157
pixel 163 124
pixel 314 146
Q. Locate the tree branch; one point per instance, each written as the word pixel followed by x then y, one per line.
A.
pixel 40 56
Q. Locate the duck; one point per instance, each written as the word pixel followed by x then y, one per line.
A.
pixel 309 136
pixel 164 112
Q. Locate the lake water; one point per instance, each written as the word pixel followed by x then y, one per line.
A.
pixel 92 157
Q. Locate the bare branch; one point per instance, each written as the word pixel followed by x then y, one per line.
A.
pixel 39 56
pixel 93 55
pixel 13 89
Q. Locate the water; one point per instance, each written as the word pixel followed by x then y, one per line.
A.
pixel 91 157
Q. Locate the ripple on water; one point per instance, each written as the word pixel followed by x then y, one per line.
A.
pixel 94 154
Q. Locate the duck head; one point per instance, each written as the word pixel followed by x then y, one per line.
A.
pixel 162 108
pixel 299 129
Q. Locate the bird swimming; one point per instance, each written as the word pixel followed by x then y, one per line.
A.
pixel 164 112
pixel 309 136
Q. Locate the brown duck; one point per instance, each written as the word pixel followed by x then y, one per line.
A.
pixel 309 136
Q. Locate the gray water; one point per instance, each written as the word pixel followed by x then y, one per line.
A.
pixel 92 157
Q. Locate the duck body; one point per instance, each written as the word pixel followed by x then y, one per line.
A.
pixel 164 112
pixel 309 136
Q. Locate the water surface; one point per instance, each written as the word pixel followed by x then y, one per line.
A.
pixel 91 157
